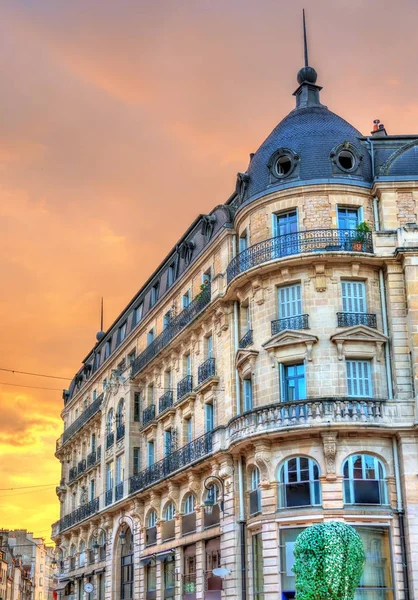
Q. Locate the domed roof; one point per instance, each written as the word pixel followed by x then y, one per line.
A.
pixel 406 163
pixel 311 135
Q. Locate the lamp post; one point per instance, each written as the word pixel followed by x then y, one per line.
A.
pixel 96 546
pixel 209 503
pixel 122 534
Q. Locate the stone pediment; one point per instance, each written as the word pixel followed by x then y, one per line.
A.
pixel 245 361
pixel 291 337
pixel 357 337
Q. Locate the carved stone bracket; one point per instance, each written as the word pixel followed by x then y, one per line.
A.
pixel 320 277
pixel 245 362
pixel 329 441
pixel 258 291
pixel 262 459
pixel 359 340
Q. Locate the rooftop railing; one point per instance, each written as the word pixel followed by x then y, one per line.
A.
pixel 175 327
pixel 289 244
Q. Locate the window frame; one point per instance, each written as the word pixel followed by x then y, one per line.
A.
pixel 315 492
pixel 359 382
pixel 349 493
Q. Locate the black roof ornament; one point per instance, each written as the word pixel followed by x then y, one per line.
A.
pixel 307 93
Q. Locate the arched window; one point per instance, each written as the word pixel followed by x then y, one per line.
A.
pixel 109 421
pixel 299 483
pixel 151 531
pixel 152 519
pixel 364 480
pixel 126 564
pixel 120 413
pixel 255 499
pixel 169 512
pixel 189 504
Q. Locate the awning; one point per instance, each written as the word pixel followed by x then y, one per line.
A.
pixel 98 571
pixel 61 585
pixel 166 554
pixel 146 560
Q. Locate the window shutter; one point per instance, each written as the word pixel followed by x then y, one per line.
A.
pixel 359 378
pixel 248 394
pixel 209 417
pixel 353 296
pixel 290 301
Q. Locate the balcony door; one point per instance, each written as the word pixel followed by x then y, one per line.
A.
pixel 285 228
pixel 348 219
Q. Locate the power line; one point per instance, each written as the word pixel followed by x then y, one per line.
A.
pixel 33 387
pixel 25 487
pixel 24 493
pixel 34 374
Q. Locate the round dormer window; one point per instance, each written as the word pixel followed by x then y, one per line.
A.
pixel 284 165
pixel 346 160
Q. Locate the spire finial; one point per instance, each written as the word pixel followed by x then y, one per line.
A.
pixel 100 334
pixel 305 42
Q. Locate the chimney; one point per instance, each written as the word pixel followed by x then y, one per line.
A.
pixel 378 129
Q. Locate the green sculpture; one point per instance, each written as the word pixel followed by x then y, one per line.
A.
pixel 329 561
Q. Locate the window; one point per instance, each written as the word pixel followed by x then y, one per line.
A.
pixel 169 512
pixel 168 380
pixel 293 382
pixel 348 218
pixel 283 165
pixel 104 384
pixel 155 290
pixel 120 419
pixel 185 301
pixel 171 274
pixel 109 421
pixel 150 453
pixel 92 489
pixel 169 576
pixel 258 569
pixel 167 319
pixel 359 383
pixel 346 160
pixel 150 336
pixel 136 461
pixel 364 480
pixel 243 241
pixel 207 277
pixel 187 365
pixel 209 346
pixel 189 503
pixel 127 569
pixel 248 394
pixel 107 349
pixel 353 296
pixel 97 361
pixel 167 442
pixel 122 332
pixel 131 357
pixel 151 579
pixel 152 519
pixel 290 301
pixel 209 417
pixel 93 442
pixel 188 430
pixel 299 483
pixel 255 500
pixel 137 314
pixel 120 469
pixel 109 475
pixel 150 394
pixel 94 395
pixel 137 407
pixel 284 223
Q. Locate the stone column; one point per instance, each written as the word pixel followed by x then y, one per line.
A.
pixel 271 560
pixel 410 266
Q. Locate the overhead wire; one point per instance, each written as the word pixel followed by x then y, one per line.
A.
pixel 34 374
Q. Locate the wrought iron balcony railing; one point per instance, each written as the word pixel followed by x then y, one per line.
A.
pixel 346 319
pixel 289 244
pixel 166 401
pixel 119 491
pixel 184 387
pixel 108 497
pixel 94 457
pixel 82 466
pixel 148 414
pixel 246 339
pixel 178 459
pixel 297 322
pixel 81 420
pixel 110 439
pixel 206 370
pixel 120 431
pixel 175 327
pixel 79 514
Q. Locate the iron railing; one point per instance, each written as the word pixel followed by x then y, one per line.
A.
pixel 82 466
pixel 346 319
pixel 119 491
pixel 79 514
pixel 185 386
pixel 175 327
pixel 120 431
pixel 206 370
pixel 166 401
pixel 110 439
pixel 80 421
pixel 94 457
pixel 296 322
pixel 148 414
pixel 108 497
pixel 178 459
pixel 246 339
pixel 289 244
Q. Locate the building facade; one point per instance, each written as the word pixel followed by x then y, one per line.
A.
pixel 262 380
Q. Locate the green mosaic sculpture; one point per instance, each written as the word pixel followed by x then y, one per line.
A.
pixel 329 561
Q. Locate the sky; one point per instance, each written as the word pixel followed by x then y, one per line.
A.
pixel 120 122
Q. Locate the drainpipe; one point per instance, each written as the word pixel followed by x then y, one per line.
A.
pixel 370 142
pixel 236 342
pixel 242 531
pixel 385 331
pixel 400 512
pixel 376 214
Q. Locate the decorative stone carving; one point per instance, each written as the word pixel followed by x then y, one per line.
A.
pixel 329 441
pixel 320 277
pixel 359 340
pixel 173 492
pixel 281 344
pixel 245 362
pixel 262 459
pixel 355 268
pixel 258 291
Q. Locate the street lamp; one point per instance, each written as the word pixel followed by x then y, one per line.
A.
pixel 122 534
pixel 96 546
pixel 209 503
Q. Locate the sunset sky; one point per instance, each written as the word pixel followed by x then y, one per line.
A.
pixel 119 123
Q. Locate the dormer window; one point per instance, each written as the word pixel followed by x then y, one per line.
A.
pixel 346 160
pixel 107 349
pixel 122 332
pixel 137 314
pixel 155 290
pixel 170 275
pixel 282 164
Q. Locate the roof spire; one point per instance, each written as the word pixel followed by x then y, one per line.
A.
pixel 100 334
pixel 307 93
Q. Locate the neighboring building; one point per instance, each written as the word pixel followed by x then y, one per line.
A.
pixel 274 350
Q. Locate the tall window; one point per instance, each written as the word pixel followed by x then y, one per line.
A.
pixel 120 419
pixel 258 570
pixel 150 394
pixel 155 290
pixel 186 299
pixel 169 512
pixel 353 296
pixel 209 346
pixel 299 483
pixel 120 469
pixel 151 576
pixel 170 274
pixel 150 336
pixel 290 301
pixel 150 453
pixel 122 332
pixel 207 277
pixel 364 480
pixel 359 382
pixel 187 365
pixel 136 461
pixel 348 218
pixel 243 241
pixel 107 349
pixel 109 475
pixel 167 319
pixel 168 380
pixel 127 568
pixel 168 440
pixel 109 421
pixel 137 406
pixel 189 504
pixel 248 393
pixel 131 357
pixel 188 430
pixel 293 382
pixel 137 316
pixel 255 500
pixel 169 576
pixel 92 490
pixel 152 519
pixel 92 442
pixel 209 417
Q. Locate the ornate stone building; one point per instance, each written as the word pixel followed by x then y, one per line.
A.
pixel 261 380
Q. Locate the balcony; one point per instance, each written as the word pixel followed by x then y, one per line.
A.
pixel 178 459
pixel 206 370
pixel 120 431
pixel 166 401
pixel 291 244
pixel 184 387
pixel 80 421
pixel 79 514
pixel 108 497
pixel 311 412
pixel 82 466
pixel 168 530
pixel 346 319
pixel 94 457
pixel 119 491
pixel 172 330
pixel 150 536
pixel 148 414
pixel 188 523
pixel 297 322
pixel 246 339
pixel 110 439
